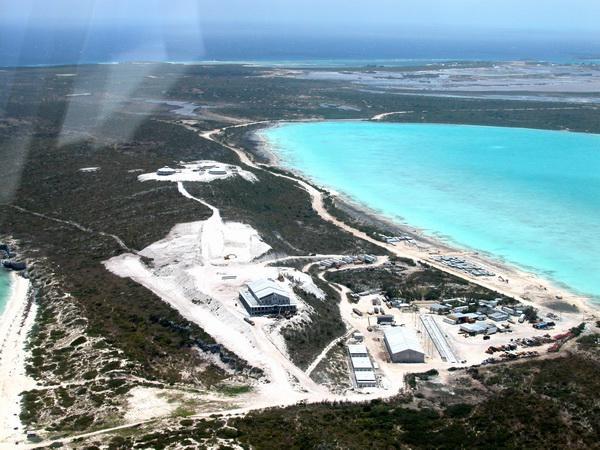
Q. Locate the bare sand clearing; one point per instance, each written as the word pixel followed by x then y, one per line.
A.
pixel 15 323
pixel 198 269
pixel 203 171
pixel 146 403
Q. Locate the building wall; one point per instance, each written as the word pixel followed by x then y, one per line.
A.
pixel 274 299
pixel 406 356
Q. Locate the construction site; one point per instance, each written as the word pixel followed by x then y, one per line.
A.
pixel 397 338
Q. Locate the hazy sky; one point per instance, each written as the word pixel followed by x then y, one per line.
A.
pixel 363 15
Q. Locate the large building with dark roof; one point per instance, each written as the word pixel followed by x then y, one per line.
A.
pixel 266 297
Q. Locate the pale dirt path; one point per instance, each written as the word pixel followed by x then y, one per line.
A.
pixel 382 116
pixel 317 256
pixel 80 227
pixel 322 355
pixel 183 191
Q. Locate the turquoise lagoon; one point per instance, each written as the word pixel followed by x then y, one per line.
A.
pixel 4 288
pixel 530 197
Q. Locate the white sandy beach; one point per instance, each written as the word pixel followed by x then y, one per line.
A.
pixel 15 324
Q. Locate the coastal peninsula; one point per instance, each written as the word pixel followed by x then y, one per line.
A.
pixel 182 285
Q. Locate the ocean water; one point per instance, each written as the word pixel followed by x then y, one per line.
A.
pixel 4 288
pixel 529 197
pixel 31 44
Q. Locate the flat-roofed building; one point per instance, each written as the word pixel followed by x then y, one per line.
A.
pixel 437 308
pixel 266 297
pixel 479 328
pixel 361 363
pixel 468 317
pixel 498 316
pixel 365 378
pixel 359 350
pixel 403 345
pixel 489 303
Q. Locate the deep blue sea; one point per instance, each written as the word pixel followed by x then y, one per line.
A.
pixel 530 197
pixel 37 45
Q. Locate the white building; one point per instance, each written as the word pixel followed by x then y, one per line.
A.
pixel 403 345
pixel 166 171
pixel 361 363
pixel 498 316
pixel 362 367
pixel 437 308
pixel 358 350
pixel 479 328
pixel 266 297
pixel 365 378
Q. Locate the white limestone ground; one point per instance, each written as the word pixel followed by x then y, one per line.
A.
pixel 202 171
pixel 188 273
pixel 199 268
pixel 303 281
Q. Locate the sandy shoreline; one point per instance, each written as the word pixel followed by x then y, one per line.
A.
pixel 525 285
pixel 15 323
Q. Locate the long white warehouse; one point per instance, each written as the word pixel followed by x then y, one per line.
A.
pixel 403 345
